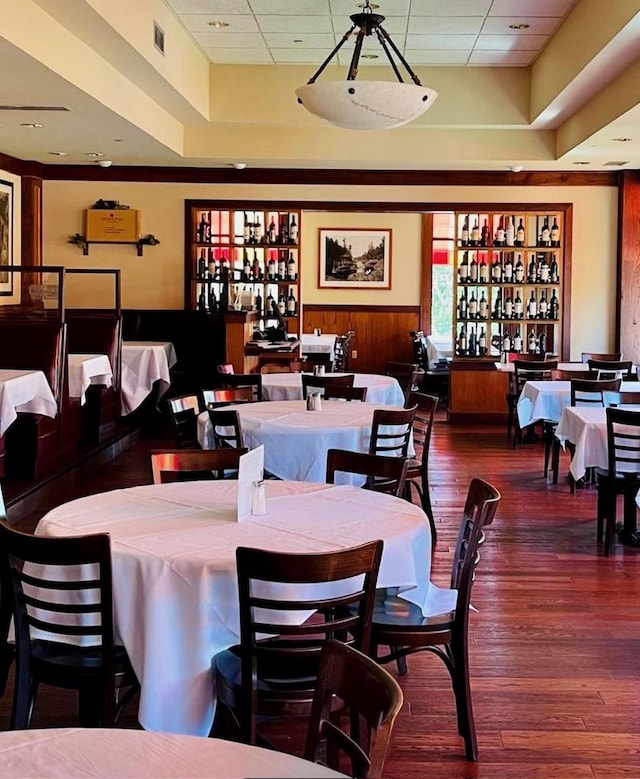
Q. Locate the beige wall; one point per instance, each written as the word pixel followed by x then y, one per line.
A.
pixel 156 279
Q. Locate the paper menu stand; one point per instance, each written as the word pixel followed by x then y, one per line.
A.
pixel 251 484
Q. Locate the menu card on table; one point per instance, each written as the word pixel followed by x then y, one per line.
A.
pixel 251 484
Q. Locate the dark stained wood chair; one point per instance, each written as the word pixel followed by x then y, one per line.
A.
pixel 535 370
pixel 391 431
pixel 418 467
pixel 338 392
pixel 309 381
pixel 613 369
pixel 277 676
pixel 621 477
pixel 64 611
pixel 7 647
pixel 400 625
pixel 384 474
pixel 226 427
pixel 183 412
pixel 372 699
pixel 408 375
pixel 170 465
pixel 342 351
pixel 609 357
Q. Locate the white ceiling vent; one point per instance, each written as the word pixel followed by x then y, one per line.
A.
pixel 158 37
pixel 33 108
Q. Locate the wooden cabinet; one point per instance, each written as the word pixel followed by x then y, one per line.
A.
pixel 243 259
pixel 509 272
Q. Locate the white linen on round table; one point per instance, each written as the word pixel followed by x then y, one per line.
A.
pixel 114 753
pixel 144 363
pixel 383 390
pixel 509 367
pixel 545 400
pixel 174 571
pixel 26 391
pixel 296 440
pixel 85 370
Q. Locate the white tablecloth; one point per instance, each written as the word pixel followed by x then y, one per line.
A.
pixel 586 428
pixel 80 753
pixel 26 391
pixel 296 440
pixel 318 344
pixel 87 369
pixel 174 573
pixel 508 367
pixel 383 390
pixel 144 363
pixel 546 399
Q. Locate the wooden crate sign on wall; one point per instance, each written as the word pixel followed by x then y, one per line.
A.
pixel 112 226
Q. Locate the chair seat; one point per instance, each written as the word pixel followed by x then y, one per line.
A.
pixel 398 614
pixel 622 477
pixel 61 661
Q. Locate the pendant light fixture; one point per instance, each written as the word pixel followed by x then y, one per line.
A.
pixel 367 105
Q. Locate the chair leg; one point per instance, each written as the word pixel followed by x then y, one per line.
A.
pixel 425 502
pixel 24 696
pixel 462 692
pixel 610 521
pixel 555 461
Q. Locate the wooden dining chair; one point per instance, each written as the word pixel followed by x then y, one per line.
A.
pixel 277 676
pixel 400 625
pixel 535 370
pixel 64 608
pixel 227 368
pixel 625 398
pixel 338 392
pixel 418 467
pixel 613 369
pixel 608 357
pixel 7 646
pixel 391 431
pixel 237 380
pixel 309 381
pixel 384 474
pixel 169 465
pixel 564 375
pixel 342 351
pixel 371 699
pixel 226 428
pixel 513 392
pixel 183 411
pixel 225 397
pixel 408 375
pixel 621 477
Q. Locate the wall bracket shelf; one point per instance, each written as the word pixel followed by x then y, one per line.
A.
pixel 83 244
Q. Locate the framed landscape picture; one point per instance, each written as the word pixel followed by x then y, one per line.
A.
pixel 355 257
pixel 6 236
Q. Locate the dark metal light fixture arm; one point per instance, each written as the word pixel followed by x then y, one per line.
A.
pixel 398 53
pixel 345 38
pixel 383 44
pixel 353 67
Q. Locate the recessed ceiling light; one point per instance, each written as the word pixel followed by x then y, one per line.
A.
pixel 118 140
pixel 369 56
pixel 58 153
pixel 297 40
pixel 582 162
pixel 94 154
pixel 218 24
pixel 31 125
pixel 623 140
pixel 519 26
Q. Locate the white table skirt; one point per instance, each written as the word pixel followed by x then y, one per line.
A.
pixel 318 344
pixel 508 367
pixel 85 370
pixel 26 391
pixel 296 440
pixel 545 399
pixel 83 753
pixel 383 390
pixel 174 572
pixel 144 363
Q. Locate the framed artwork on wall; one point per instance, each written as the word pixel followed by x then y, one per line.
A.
pixel 353 257
pixel 6 236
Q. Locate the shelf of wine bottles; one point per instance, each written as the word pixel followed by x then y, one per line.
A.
pixel 508 283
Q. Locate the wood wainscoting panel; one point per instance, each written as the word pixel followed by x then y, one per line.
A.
pixel 382 332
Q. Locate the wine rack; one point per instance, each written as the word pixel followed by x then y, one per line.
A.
pixel 508 283
pixel 240 259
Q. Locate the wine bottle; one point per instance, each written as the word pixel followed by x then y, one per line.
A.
pixel 542 343
pixel 473 270
pixel 543 306
pixel 463 269
pixel 483 307
pixel 258 302
pixel 268 309
pixel 545 235
pixel 532 306
pixel 533 343
pixel 498 308
pixel 520 234
pixel 258 235
pixel 293 230
pixel 532 272
pixel 483 272
pixel 517 306
pixel 282 304
pixel 508 269
pixel 213 303
pixel 202 300
pixel 246 266
pixel 508 307
pixel 271 269
pixel 510 232
pixel 283 236
pixel 202 231
pixel 555 233
pixel 485 234
pixel 500 236
pixel 202 264
pixel 554 306
pixel 282 267
pixel 553 270
pixel 463 306
pixel 496 270
pixel 271 233
pixel 462 341
pixel 517 341
pixel 474 238
pixel 247 228
pixel 473 306
pixel 256 270
pixel 473 344
pixel 482 343
pixel 506 341
pixel 292 268
pixel 464 235
pixel 291 303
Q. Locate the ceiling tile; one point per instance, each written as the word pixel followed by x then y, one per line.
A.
pixel 499 25
pixel 387 7
pixel 237 23
pixel 240 56
pixel 312 57
pixel 510 42
pixel 309 41
pixel 392 24
pixel 210 6
pixel 529 8
pixel 444 7
pixel 440 41
pixel 435 25
pixel 437 57
pixel 289 24
pixel 503 58
pixel 290 7
pixel 229 40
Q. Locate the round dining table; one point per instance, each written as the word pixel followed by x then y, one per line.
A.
pixel 296 440
pixel 101 753
pixel 383 390
pixel 174 571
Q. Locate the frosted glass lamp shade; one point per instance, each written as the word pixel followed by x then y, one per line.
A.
pixel 366 105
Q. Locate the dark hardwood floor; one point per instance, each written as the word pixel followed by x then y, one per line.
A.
pixel 555 641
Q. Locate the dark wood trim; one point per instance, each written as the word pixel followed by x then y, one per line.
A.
pixel 31 220
pixel 317 307
pixel 565 346
pixel 426 276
